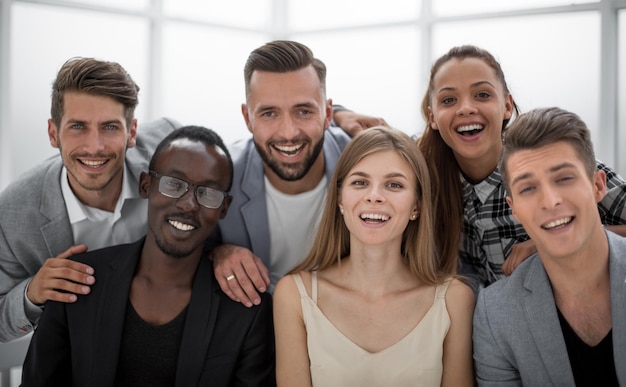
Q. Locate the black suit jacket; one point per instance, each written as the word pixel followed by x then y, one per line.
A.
pixel 223 343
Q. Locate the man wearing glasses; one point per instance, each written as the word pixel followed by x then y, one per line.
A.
pixel 87 198
pixel 156 315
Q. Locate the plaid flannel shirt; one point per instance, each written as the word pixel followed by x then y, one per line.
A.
pixel 490 231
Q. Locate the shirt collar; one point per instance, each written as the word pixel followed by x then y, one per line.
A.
pixel 483 189
pixel 77 211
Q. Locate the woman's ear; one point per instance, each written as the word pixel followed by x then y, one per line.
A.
pixel 431 119
pixel 508 106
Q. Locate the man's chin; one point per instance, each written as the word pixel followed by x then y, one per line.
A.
pixel 291 174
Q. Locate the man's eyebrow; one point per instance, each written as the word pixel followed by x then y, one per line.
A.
pixel 563 165
pixel 521 177
pixel 552 169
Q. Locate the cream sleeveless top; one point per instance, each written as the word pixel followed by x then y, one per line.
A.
pixel 415 360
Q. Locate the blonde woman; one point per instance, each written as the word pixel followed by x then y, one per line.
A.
pixel 369 306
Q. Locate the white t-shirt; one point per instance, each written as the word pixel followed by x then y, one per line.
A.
pixel 292 220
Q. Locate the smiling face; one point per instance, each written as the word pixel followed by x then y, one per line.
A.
pixel 92 138
pixel 180 226
pixel 287 114
pixel 378 199
pixel 468 106
pixel 555 200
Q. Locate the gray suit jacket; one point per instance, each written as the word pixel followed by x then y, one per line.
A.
pixel 246 222
pixel 517 334
pixel 34 225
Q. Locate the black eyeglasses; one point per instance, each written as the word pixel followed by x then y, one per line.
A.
pixel 175 188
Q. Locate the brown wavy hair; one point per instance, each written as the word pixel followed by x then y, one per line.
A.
pixel 95 77
pixel 546 126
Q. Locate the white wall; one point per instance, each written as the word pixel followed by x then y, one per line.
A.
pixel 188 56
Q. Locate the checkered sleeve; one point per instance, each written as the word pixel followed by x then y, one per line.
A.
pixel 612 208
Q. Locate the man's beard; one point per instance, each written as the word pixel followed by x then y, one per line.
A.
pixel 291 171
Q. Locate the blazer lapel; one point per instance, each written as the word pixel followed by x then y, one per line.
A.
pixel 112 310
pixel 617 270
pixel 543 320
pixel 57 232
pixel 254 212
pixel 199 325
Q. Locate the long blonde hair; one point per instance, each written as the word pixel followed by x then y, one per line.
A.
pixel 332 240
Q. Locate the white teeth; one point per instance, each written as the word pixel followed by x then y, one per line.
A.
pixel 557 223
pixel 374 217
pixel 288 148
pixel 181 226
pixel 469 128
pixel 93 163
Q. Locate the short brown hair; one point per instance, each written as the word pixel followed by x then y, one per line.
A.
pixel 540 127
pixel 282 56
pixel 92 76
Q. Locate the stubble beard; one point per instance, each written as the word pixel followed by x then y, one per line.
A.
pixel 291 171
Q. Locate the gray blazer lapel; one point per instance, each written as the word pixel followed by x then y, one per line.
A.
pixel 254 212
pixel 541 313
pixel 617 270
pixel 57 232
pixel 334 142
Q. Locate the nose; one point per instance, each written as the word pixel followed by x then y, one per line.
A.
pixel 373 195
pixel 550 197
pixel 466 107
pixel 95 141
pixel 188 202
pixel 288 127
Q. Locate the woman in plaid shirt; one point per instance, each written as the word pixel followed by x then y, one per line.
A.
pixel 467 106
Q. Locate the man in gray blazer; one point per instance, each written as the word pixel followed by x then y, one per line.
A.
pixel 281 173
pixel 86 197
pixel 560 318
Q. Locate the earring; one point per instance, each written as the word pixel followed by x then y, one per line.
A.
pixel 413 217
pixel 341 210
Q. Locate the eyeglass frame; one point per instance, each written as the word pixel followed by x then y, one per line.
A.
pixel 188 186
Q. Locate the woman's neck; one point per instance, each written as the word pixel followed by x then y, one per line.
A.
pixel 376 271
